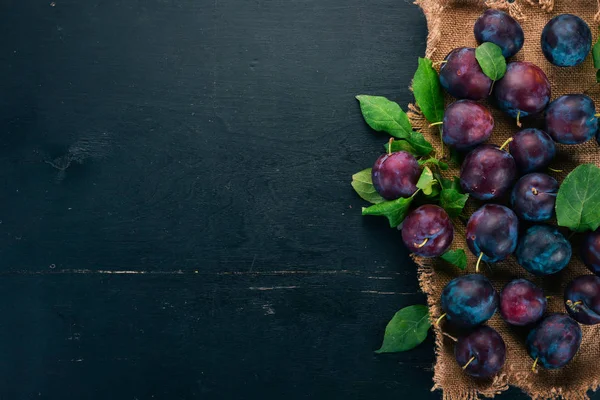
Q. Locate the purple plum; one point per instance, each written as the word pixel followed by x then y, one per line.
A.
pixel 396 175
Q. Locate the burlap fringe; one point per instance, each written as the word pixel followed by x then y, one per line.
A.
pixel 546 5
pixel 416 117
pixel 513 9
pixel 431 8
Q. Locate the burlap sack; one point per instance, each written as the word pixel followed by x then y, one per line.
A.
pixel 450 24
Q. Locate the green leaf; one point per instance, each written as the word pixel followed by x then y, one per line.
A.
pixel 452 184
pixel 400 145
pixel 434 161
pixel 578 199
pixel 433 197
pixel 458 258
pixel 428 92
pixel 415 144
pixel 426 181
pixel 598 76
pixel 490 59
pixel 363 185
pixel 407 329
pixel 596 54
pixel 420 144
pixel 453 201
pixel 384 115
pixel 395 210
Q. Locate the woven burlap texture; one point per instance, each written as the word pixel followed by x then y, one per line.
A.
pixel 450 24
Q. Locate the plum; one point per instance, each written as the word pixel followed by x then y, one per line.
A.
pixel 481 353
pixel 571 119
pixel 590 251
pixel 492 232
pixel 532 149
pixel 554 342
pixel 487 172
pixel 427 231
pixel 582 299
pixel 534 196
pixel 522 303
pixel 466 124
pixel 566 40
pixel 396 175
pixel 524 90
pixel 462 76
pixel 543 250
pixel 498 27
pixel 469 300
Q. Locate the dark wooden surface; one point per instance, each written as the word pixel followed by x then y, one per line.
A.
pixel 177 220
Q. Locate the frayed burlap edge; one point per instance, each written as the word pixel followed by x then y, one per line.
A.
pixel 433 10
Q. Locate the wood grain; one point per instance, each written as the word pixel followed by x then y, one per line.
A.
pixel 177 220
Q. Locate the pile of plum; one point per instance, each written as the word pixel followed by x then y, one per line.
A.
pixel 491 173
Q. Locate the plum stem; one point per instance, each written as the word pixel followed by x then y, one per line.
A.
pixel 436 123
pixel 450 337
pixel 535 364
pixel 390 145
pixel 534 191
pixel 423 243
pixel 573 305
pixel 555 170
pixel 478 262
pixel 491 88
pixel 469 362
pixel 597 115
pixel 519 119
pixel 506 143
pixel 437 321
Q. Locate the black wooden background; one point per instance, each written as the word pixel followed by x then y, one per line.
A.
pixel 176 217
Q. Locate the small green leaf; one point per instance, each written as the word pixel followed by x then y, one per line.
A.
pixel 490 59
pixel 453 201
pixel 458 258
pixel 426 181
pixel 406 330
pixel 395 210
pixel 363 185
pixel 452 184
pixel 433 197
pixel 400 145
pixel 578 199
pixel 434 161
pixel 596 54
pixel 384 115
pixel 428 92
pixel 420 144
